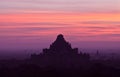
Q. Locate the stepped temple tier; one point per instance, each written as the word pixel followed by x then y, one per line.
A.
pixel 60 54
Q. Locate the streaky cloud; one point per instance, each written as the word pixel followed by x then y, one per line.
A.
pixel 32 23
pixel 101 22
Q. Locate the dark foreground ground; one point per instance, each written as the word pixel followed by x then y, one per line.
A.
pixel 22 69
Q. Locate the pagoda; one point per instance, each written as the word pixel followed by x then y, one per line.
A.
pixel 60 54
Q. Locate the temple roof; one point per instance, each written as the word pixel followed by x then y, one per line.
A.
pixel 60 44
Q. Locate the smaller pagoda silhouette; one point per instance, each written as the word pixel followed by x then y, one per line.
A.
pixel 60 54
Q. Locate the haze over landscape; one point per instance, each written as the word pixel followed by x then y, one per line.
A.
pixel 28 24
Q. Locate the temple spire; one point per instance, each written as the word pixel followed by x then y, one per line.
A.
pixel 60 37
pixel 60 44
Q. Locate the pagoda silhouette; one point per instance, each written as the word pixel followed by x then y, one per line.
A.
pixel 60 54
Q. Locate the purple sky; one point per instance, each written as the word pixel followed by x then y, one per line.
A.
pixel 31 24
